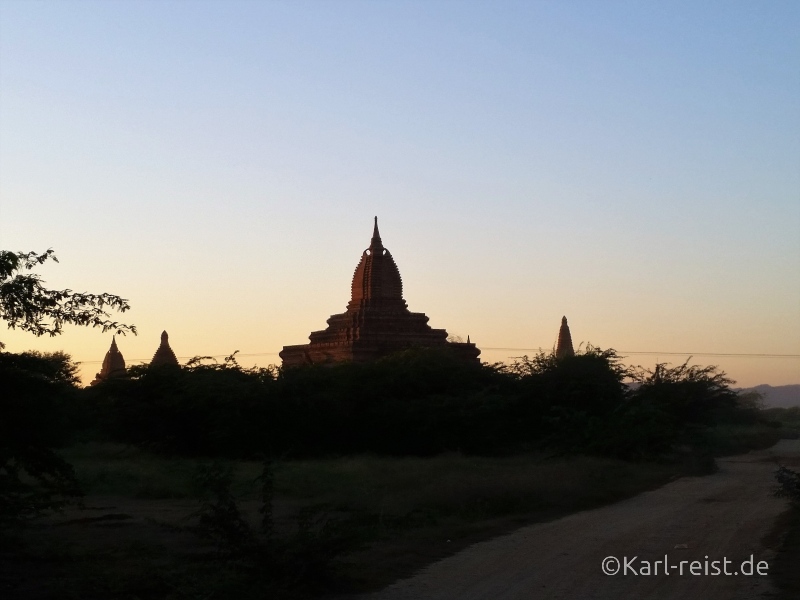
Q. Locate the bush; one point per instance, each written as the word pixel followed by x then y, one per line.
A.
pixel 687 394
pixel 420 402
pixel 35 416
pixel 788 485
pixel 201 409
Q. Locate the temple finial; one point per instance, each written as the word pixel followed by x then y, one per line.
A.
pixel 376 236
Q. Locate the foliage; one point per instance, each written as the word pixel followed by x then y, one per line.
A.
pixel 296 564
pixel 788 419
pixel 666 408
pixel 201 409
pixel 686 395
pixel 25 303
pixel 219 516
pixel 39 388
pixel 729 439
pixel 38 393
pixel 571 398
pixel 423 402
pixel 52 366
pixel 788 484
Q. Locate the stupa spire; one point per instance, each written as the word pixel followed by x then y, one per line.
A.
pixel 376 243
pixel 164 355
pixel 376 279
pixel 113 364
pixel 564 346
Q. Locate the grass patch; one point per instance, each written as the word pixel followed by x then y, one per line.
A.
pixel 728 440
pixel 389 516
pixel 788 419
pixel 106 469
pixel 447 484
pixel 459 485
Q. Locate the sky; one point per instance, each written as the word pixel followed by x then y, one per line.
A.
pixel 634 166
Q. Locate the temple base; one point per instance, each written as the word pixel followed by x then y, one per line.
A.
pixel 315 354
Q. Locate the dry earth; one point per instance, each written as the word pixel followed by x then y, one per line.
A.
pixel 726 515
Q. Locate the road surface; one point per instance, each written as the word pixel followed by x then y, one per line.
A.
pixel 723 516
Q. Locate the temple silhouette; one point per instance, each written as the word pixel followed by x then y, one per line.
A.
pixel 377 321
pixel 564 346
pixel 164 355
pixel 113 364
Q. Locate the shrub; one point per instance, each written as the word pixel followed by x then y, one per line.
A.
pixel 38 394
pixel 788 485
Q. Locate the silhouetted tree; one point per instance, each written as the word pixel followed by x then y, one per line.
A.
pixel 37 387
pixel 25 303
pixel 36 407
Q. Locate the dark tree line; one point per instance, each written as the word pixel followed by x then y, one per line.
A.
pixel 419 402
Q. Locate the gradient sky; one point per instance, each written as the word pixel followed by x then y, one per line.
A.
pixel 634 166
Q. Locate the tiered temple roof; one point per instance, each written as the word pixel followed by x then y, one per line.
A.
pixel 564 346
pixel 164 355
pixel 113 364
pixel 377 321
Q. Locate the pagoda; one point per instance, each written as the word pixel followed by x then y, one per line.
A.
pixel 564 346
pixel 377 321
pixel 113 364
pixel 164 355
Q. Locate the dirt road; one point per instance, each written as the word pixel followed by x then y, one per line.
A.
pixel 722 516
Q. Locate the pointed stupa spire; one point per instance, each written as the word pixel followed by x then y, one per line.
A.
pixel 376 278
pixel 113 364
pixel 376 243
pixel 164 355
pixel 564 346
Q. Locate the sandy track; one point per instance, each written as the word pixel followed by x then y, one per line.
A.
pixel 725 515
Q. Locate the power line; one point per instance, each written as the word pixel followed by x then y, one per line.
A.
pixel 653 352
pixel 143 360
pixel 621 352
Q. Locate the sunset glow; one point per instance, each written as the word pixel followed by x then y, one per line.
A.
pixel 631 166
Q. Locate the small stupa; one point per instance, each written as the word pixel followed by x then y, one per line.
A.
pixel 113 364
pixel 164 355
pixel 564 346
pixel 376 322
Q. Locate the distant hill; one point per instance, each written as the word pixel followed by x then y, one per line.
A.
pixel 779 396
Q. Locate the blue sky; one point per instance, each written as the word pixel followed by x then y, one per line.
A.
pixel 635 166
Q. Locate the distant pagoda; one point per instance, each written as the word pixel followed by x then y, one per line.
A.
pixel 377 321
pixel 564 346
pixel 164 355
pixel 113 364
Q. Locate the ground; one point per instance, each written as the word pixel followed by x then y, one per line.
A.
pixel 134 537
pixel 730 514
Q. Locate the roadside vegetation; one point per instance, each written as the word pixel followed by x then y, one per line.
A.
pixel 218 481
